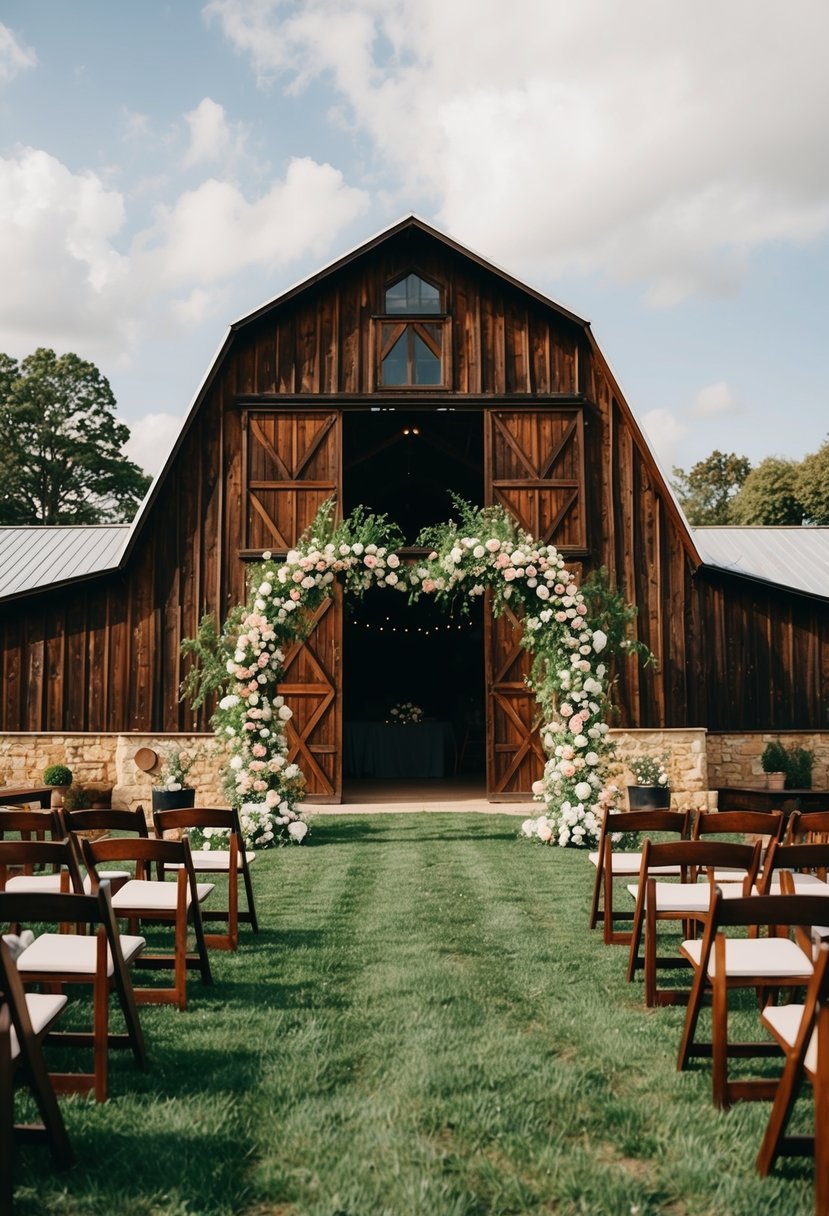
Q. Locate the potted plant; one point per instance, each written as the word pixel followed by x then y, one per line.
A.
pixel 775 760
pixel 171 788
pixel 652 791
pixel 60 779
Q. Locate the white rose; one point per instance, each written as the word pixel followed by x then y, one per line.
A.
pixel 285 712
pixel 298 830
pixel 236 762
pixel 599 640
pixel 544 831
pixel 528 827
pixel 583 790
pixel 393 561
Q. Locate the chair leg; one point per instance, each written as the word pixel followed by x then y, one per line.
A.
pixel 254 922
pixel 100 1023
pixel 608 907
pixel 180 964
pixel 650 956
pixel 636 937
pixel 781 1110
pixel 821 1088
pixel 597 888
pixel 6 1114
pixel 692 1013
pixel 719 1039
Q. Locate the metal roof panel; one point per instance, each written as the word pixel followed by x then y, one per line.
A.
pixel 792 557
pixel 32 558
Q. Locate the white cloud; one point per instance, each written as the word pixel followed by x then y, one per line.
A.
pixel 665 433
pixel 213 232
pixel 14 56
pixel 212 139
pixel 715 399
pixel 59 263
pixel 657 143
pixel 151 440
pixel 69 285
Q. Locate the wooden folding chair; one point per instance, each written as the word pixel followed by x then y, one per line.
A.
pixel 797 869
pixel 147 899
pixel 24 1020
pixel 231 860
pixel 722 963
pixel 686 900
pixel 20 859
pixel 802 1032
pixel 101 959
pixel 106 820
pixel 806 826
pixel 611 865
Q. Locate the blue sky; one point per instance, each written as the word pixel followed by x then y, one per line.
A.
pixel 660 169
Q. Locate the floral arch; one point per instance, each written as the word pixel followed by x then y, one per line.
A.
pixel 569 632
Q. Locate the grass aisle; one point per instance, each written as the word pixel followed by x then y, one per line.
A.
pixel 424 1027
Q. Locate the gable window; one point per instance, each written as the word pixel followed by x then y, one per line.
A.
pixel 413 335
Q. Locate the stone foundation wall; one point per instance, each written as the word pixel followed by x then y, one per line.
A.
pixel 698 760
pixel 106 763
pixel 735 759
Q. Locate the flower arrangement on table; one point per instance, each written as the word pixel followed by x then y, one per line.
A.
pixel 405 713
pixel 649 770
pixel 176 764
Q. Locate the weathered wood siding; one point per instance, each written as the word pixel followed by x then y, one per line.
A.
pixel 103 655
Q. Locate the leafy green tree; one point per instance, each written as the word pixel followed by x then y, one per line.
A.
pixel 707 491
pixel 61 458
pixel 769 495
pixel 813 485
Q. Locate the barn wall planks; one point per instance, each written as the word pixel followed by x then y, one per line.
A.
pixel 104 654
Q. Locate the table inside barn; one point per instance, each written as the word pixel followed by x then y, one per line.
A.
pixel 397 752
pixel 19 795
pixel 744 798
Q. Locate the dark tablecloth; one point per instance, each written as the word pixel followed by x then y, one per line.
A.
pixel 382 749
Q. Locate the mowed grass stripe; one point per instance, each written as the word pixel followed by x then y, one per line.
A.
pixel 423 1026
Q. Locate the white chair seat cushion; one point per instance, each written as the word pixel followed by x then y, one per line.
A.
pixel 630 863
pixel 808 884
pixel 41 883
pixel 784 1022
pixel 43 1010
pixel 686 896
pixel 71 954
pixel 154 896
pixel 214 861
pixel 772 957
pixel 51 882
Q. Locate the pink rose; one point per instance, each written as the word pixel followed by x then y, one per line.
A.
pixel 370 560
pixel 296 595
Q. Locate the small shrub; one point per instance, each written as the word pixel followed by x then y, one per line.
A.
pixel 798 770
pixel 57 774
pixel 774 758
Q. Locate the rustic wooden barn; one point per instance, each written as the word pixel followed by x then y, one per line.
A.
pixel 404 368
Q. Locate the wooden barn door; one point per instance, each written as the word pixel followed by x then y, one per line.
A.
pixel 535 469
pixel 293 462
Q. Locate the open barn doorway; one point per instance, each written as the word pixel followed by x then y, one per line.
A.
pixel 404 463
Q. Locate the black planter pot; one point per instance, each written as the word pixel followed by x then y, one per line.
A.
pixel 172 800
pixel 649 798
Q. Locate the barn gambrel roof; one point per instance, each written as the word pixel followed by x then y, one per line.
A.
pixel 33 558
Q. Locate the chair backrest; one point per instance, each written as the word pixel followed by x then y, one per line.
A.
pixel 26 854
pixel 28 825
pixel 645 821
pixel 182 818
pixel 812 858
pixel 694 856
pixel 780 911
pixel 805 824
pixel 721 823
pixel 109 819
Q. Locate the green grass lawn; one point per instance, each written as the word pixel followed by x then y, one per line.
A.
pixel 424 1026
